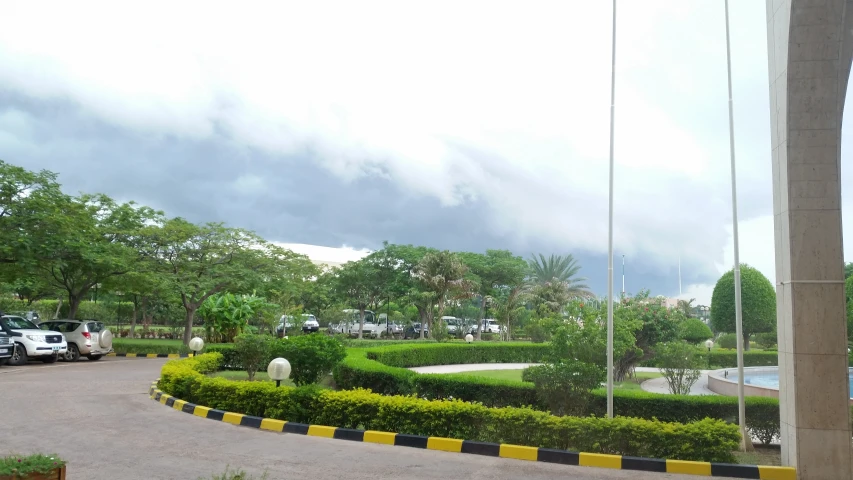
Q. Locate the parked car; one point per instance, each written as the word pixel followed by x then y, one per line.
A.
pixel 285 323
pixel 352 323
pixel 7 346
pixel 453 324
pixel 86 338
pixel 489 325
pixel 31 342
pixel 389 329
pixel 414 331
pixel 311 324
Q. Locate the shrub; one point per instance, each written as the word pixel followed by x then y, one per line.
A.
pixel 706 440
pixel 693 330
pixel 21 466
pixel 766 339
pixel 536 332
pixel 727 340
pixel 310 356
pixel 252 351
pixel 565 386
pixel 357 371
pixel 680 364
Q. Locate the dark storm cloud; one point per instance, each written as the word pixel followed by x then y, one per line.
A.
pixel 283 199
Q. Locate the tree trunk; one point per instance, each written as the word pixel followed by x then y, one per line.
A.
pixel 480 317
pixel 422 314
pixel 133 318
pixel 73 305
pixel 58 307
pixel 361 324
pixel 188 323
pixel 745 342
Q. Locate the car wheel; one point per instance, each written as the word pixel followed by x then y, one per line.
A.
pixel 95 358
pixel 72 354
pixel 19 355
pixel 50 359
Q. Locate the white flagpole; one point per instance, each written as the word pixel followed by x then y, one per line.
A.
pixel 610 229
pixel 741 405
pixel 679 276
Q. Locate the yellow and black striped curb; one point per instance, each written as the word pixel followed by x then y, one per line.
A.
pixel 150 355
pixel 518 452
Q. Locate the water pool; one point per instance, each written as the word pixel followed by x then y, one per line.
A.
pixel 767 379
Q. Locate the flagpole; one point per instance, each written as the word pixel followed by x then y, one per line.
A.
pixel 741 405
pixel 610 229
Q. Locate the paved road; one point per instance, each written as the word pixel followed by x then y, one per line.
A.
pixel 98 416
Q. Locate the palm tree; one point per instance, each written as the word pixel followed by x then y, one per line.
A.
pixel 686 307
pixel 558 268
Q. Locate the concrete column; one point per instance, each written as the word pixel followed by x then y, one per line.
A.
pixel 809 43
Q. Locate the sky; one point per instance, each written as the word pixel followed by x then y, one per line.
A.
pixel 332 126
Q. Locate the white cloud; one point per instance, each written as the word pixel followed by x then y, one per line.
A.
pixel 329 255
pixel 409 90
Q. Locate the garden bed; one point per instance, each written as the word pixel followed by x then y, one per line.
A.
pixel 706 440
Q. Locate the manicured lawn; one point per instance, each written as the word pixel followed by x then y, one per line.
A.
pixel 761 456
pixel 515 375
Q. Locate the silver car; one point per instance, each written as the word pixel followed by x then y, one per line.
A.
pixel 86 338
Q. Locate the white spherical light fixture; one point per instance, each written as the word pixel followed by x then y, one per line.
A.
pixel 196 344
pixel 469 338
pixel 278 370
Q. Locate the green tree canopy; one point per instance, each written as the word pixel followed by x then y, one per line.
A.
pixel 758 302
pixel 693 330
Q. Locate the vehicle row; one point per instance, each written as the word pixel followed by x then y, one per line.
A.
pixel 22 340
pixel 379 326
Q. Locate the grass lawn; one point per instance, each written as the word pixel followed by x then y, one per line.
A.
pixel 761 456
pixel 242 376
pixel 515 375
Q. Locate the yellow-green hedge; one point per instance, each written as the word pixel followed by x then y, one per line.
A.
pixel 706 440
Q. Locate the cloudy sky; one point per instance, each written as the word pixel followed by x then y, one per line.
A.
pixel 464 125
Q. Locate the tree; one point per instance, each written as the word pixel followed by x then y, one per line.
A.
pixel 497 270
pixel 356 284
pixel 686 307
pixel 848 270
pixel 680 365
pixel 693 330
pixel 31 212
pixel 199 261
pixel 758 301
pixel 404 284
pixel 442 276
pixel 557 268
pixel 101 240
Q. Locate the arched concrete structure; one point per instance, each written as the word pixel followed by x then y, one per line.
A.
pixel 810 47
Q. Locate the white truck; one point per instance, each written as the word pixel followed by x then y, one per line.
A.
pixel 352 322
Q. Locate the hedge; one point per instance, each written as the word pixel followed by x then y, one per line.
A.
pixel 728 359
pixel 705 440
pixel 358 370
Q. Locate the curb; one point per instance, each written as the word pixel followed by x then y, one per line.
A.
pixel 149 355
pixel 535 454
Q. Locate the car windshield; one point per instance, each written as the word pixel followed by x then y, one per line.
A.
pixel 18 323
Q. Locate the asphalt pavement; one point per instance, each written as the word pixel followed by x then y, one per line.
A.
pixel 99 417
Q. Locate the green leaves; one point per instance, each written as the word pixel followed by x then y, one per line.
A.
pixel 311 356
pixel 758 301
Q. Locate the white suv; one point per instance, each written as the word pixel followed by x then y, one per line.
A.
pixel 87 338
pixel 30 342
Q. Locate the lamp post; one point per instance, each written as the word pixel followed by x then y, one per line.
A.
pixel 709 344
pixel 278 370
pixel 196 345
pixel 469 338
